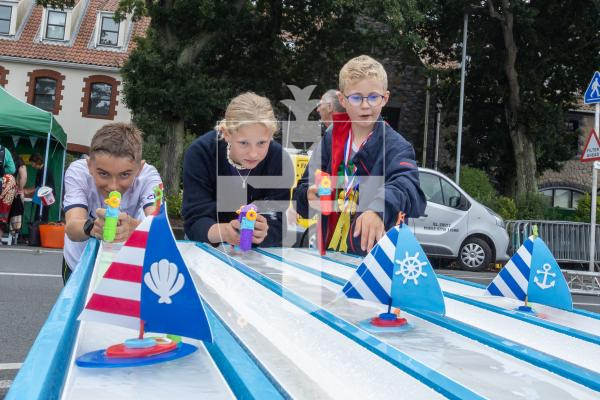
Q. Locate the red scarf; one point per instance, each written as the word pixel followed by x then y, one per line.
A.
pixel 341 129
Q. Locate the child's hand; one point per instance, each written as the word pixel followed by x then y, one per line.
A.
pixel 230 232
pixel 370 226
pixel 313 199
pixel 98 229
pixel 125 227
pixel 260 229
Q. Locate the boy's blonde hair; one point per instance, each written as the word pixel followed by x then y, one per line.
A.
pixel 362 67
pixel 118 140
pixel 245 109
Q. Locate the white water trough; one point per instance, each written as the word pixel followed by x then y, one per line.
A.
pixel 283 330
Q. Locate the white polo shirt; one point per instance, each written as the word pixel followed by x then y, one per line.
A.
pixel 81 191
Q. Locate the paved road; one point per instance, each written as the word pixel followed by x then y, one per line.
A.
pixel 30 283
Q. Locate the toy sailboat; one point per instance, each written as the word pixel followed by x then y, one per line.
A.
pixel 532 274
pixel 398 274
pixel 147 287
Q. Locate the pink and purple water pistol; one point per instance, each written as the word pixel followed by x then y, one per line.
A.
pixel 247 216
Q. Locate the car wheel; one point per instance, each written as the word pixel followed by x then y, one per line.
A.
pixel 475 254
pixel 309 239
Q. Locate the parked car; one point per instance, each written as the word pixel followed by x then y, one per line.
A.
pixel 454 227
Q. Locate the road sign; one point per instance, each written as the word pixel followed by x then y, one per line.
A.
pixel 592 94
pixel 591 151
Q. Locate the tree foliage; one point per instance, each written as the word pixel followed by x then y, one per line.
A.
pixel 557 48
pixel 199 54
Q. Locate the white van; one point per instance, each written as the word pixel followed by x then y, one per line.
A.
pixel 454 226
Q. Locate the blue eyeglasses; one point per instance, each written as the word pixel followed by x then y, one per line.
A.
pixel 374 99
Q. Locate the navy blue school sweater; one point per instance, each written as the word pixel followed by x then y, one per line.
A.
pixel 386 154
pixel 204 160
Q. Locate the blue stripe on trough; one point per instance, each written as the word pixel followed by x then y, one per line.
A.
pixel 325 257
pixel 579 311
pixel 43 372
pixel 556 365
pixel 431 378
pixel 244 376
pixel 565 330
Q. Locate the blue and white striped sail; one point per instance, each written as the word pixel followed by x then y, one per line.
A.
pixel 397 271
pixel 533 272
pixel 513 279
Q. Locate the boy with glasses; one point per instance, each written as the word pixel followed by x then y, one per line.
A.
pixel 373 167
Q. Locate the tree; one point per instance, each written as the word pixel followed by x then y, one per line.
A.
pixel 220 49
pixel 199 53
pixel 528 60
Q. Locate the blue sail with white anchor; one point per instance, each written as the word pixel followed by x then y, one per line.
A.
pixel 397 271
pixel 533 272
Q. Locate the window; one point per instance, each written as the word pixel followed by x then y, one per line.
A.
pixel 109 32
pixel 450 194
pixel 562 198
pixel 44 89
pixel 431 186
pixel 55 26
pixel 99 97
pixel 3 73
pixel 5 15
pixel 45 93
pixel 441 191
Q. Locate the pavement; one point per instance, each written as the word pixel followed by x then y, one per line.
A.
pixel 30 283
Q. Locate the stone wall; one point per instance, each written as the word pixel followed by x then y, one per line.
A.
pixel 405 110
pixel 574 174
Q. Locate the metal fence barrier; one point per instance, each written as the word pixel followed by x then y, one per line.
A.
pixel 569 242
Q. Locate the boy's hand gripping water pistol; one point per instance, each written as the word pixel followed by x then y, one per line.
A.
pixel 323 182
pixel 112 216
pixel 247 217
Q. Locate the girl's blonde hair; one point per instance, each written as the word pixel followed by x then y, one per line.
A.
pixel 246 109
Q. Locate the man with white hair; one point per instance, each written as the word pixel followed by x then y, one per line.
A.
pixel 329 104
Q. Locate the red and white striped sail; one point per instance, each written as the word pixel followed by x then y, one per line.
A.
pixel 116 299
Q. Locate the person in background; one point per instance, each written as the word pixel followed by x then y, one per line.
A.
pixel 7 187
pixel 37 162
pixel 328 105
pixel 18 207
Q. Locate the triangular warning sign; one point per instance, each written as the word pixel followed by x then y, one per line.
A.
pixel 591 151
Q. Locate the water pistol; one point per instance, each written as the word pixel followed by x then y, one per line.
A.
pixel 247 217
pixel 158 198
pixel 323 182
pixel 112 216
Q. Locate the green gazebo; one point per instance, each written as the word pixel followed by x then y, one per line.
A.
pixel 21 125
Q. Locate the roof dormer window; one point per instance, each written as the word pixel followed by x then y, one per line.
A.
pixel 55 27
pixel 111 34
pixel 109 31
pixel 5 19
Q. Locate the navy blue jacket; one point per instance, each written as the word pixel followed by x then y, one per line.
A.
pixel 204 160
pixel 387 154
